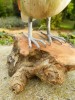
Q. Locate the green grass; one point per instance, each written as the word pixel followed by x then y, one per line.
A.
pixel 67 24
pixel 12 22
pixel 5 39
pixel 70 38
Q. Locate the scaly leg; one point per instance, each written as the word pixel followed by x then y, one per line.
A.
pixel 30 38
pixel 49 35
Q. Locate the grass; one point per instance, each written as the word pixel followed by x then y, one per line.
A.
pixel 5 39
pixel 67 24
pixel 70 38
pixel 13 21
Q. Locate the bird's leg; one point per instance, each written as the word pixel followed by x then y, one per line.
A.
pixel 49 35
pixel 30 38
pixel 48 29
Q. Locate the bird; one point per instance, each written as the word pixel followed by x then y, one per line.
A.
pixel 41 9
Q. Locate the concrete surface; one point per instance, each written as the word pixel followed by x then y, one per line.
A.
pixel 35 89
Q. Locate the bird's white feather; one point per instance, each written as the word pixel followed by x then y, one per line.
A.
pixel 42 8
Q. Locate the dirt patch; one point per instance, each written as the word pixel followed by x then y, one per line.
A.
pixel 19 30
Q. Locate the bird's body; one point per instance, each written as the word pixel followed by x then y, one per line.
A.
pixel 40 9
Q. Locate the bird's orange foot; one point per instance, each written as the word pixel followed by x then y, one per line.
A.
pixel 34 40
pixel 50 37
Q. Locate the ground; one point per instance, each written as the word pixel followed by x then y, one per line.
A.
pixel 35 89
pixel 19 30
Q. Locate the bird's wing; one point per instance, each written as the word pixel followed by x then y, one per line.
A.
pixel 19 6
pixel 23 16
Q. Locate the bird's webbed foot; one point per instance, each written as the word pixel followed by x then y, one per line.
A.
pixel 51 37
pixel 35 41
